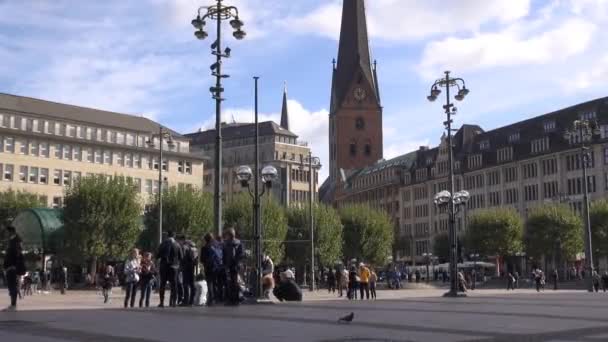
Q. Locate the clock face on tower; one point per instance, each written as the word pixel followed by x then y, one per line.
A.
pixel 359 94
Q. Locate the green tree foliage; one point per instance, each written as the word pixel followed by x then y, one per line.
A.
pixel 497 231
pixel 328 235
pixel 186 211
pixel 239 213
pixel 102 218
pixel 599 226
pixel 441 247
pixel 368 234
pixel 11 203
pixel 549 224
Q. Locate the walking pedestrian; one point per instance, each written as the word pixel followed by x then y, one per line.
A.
pixel 373 278
pixel 233 255
pixel 148 269
pixel 352 283
pixel 132 269
pixel 14 266
pixel 107 282
pixel 364 275
pixel 596 281
pixel 170 255
pixel 189 263
pixel 331 281
pixel 555 278
pixel 510 282
pixel 605 281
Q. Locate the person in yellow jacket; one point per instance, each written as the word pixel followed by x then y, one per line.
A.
pixel 364 275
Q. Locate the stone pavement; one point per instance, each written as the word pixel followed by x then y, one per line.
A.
pixel 406 315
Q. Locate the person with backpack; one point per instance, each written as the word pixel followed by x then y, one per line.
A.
pixel 212 260
pixel 189 263
pixel 14 266
pixel 170 255
pixel 233 255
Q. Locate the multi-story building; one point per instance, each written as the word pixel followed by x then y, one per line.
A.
pixel 46 146
pixel 521 165
pixel 278 146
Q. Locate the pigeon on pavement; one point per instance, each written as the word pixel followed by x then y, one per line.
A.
pixel 348 318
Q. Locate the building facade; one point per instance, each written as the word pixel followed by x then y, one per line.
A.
pixel 278 146
pixel 47 146
pixel 521 165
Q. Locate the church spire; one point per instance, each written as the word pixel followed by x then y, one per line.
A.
pixel 284 112
pixel 353 51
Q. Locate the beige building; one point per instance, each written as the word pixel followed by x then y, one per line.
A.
pixel 521 165
pixel 278 147
pixel 46 146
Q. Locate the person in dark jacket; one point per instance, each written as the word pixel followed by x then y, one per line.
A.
pixel 232 255
pixel 287 289
pixel 212 260
pixel 14 266
pixel 189 263
pixel 170 256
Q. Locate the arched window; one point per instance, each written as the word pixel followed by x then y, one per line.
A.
pixel 359 123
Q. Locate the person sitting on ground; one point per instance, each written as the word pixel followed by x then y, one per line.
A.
pixel 287 289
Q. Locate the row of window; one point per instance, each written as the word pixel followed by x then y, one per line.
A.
pixel 84 132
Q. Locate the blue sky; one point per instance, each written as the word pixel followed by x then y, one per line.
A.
pixel 520 58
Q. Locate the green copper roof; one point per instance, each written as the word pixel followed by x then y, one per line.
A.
pixel 40 228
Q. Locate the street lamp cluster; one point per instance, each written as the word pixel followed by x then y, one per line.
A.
pixel 585 130
pixel 219 13
pixel 162 136
pixel 453 200
pixel 312 162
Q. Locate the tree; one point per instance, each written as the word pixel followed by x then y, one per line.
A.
pixel 599 227
pixel 441 247
pixel 497 231
pixel 11 203
pixel 328 235
pixel 186 210
pixel 239 213
pixel 102 218
pixel 550 226
pixel 368 234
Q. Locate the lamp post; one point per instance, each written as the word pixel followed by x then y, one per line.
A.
pixel 316 162
pixel 428 257
pixel 162 136
pixel 454 203
pixel 218 12
pixel 448 82
pixel 585 130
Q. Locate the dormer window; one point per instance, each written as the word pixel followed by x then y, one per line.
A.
pixel 589 115
pixel 429 160
pixel 474 161
pixel 484 145
pixel 549 126
pixel 513 138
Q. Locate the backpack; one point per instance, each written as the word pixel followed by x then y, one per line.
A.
pixel 216 258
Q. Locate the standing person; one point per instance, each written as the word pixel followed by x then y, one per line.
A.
pixel 516 276
pixel 373 278
pixel 510 282
pixel 364 275
pixel 267 272
pixel 538 277
pixel 14 266
pixel 212 260
pixel 555 278
pixel 596 281
pixel 339 281
pixel 132 269
pixel 107 282
pixel 148 269
pixel 170 255
pixel 605 281
pixel 331 281
pixel 233 254
pixel 189 263
pixel 352 283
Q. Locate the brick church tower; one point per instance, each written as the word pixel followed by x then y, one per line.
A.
pixel 355 118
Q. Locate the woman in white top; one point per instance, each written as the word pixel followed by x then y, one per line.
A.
pixel 132 269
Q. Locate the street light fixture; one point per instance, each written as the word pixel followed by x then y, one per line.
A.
pixel 585 130
pixel 312 162
pixel 219 13
pixel 446 197
pixel 162 135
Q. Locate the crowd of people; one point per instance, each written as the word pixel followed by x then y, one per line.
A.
pixel 350 280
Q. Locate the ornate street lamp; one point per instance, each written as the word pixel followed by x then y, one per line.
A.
pixel 316 163
pixel 219 13
pixel 162 136
pixel 585 130
pixel 453 203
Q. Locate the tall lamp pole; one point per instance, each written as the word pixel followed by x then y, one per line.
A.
pixel 448 82
pixel 585 130
pixel 162 136
pixel 218 12
pixel 312 161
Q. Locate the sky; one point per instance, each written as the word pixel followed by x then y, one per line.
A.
pixel 519 58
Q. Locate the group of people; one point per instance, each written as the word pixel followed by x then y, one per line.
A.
pixel 362 279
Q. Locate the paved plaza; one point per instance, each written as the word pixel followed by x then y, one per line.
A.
pixel 407 315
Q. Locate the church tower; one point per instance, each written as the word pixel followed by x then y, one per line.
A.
pixel 355 118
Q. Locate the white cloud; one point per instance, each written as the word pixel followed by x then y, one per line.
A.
pixel 511 46
pixel 594 75
pixel 311 126
pixel 398 148
pixel 401 20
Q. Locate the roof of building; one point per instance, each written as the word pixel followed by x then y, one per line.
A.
pixel 62 111
pixel 40 228
pixel 353 51
pixel 239 130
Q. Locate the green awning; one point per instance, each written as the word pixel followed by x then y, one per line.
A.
pixel 40 229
